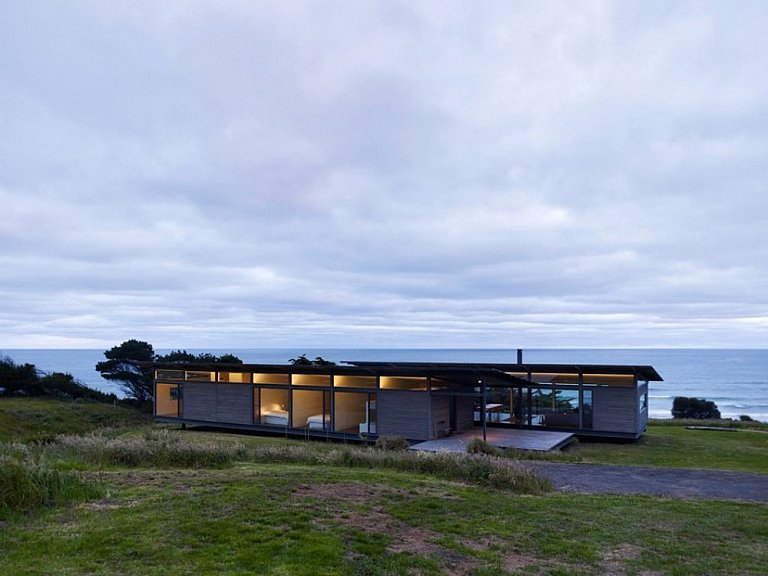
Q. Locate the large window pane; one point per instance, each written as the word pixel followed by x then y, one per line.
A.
pixel 565 412
pixel 311 409
pixel 167 400
pixel 354 412
pixel 274 407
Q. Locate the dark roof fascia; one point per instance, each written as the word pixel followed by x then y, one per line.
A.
pixel 642 372
pixel 460 374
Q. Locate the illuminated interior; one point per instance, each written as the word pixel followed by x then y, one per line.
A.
pixel 274 407
pixel 271 378
pixel 167 400
pixel 311 409
pixel 404 382
pixel 354 412
pixel 311 380
pixel 235 377
pixel 354 381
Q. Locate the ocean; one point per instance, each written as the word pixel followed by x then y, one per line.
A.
pixel 736 380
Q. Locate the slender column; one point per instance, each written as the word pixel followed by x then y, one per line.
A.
pixel 482 412
pixel 581 399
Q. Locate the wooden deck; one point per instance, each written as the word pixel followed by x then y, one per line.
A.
pixel 539 440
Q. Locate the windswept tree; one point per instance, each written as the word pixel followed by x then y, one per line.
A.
pixel 304 361
pixel 130 366
pixel 180 356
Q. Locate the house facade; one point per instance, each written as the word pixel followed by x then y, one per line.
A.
pixel 419 401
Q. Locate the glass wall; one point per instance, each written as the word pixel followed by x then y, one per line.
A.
pixel 200 376
pixel 167 399
pixel 274 407
pixel 354 412
pixel 354 381
pixel 235 377
pixel 271 378
pixel 311 409
pixel 169 374
pixel 404 382
pixel 311 380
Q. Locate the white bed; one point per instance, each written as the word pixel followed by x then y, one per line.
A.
pixel 275 417
pixel 319 421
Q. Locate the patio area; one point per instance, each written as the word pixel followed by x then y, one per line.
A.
pixel 539 440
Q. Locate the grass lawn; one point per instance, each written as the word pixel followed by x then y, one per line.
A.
pixel 291 519
pixel 286 518
pixel 675 446
pixel 31 419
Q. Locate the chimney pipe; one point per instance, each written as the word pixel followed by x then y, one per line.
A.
pixel 519 355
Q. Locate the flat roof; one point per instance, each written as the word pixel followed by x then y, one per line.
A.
pixel 463 372
pixel 642 372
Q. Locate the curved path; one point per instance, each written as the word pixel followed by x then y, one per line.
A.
pixel 674 482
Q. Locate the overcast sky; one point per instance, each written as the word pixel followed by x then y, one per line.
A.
pixel 383 174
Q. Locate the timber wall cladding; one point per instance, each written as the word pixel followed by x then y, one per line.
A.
pixel 234 403
pixel 441 416
pixel 615 409
pixel 226 403
pixel 465 413
pixel 403 413
pixel 200 401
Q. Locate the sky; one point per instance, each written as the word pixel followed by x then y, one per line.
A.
pixel 410 174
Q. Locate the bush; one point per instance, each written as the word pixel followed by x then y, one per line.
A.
pixel 27 483
pixel 478 446
pixel 746 418
pixel 154 449
pixel 695 408
pixel 392 443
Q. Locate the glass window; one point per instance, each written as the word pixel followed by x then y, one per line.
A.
pixel 311 409
pixel 554 378
pixel 609 380
pixel 169 374
pixel 354 381
pixel 197 376
pixel 311 380
pixel 541 402
pixel 235 377
pixel 404 382
pixel 565 411
pixel 167 399
pixel 354 412
pixel 274 407
pixel 586 409
pixel 271 378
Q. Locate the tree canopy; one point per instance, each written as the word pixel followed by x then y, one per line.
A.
pixel 304 361
pixel 27 380
pixel 130 365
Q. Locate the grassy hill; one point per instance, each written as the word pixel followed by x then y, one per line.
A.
pixel 32 419
pixel 171 502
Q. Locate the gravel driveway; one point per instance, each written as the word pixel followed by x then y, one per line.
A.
pixel 675 482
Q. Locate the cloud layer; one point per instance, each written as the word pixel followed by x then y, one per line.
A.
pixel 535 174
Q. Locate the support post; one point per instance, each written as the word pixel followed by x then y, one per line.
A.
pixel 483 411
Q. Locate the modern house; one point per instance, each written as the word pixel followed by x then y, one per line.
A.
pixel 419 401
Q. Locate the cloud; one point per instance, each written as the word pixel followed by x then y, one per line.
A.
pixel 390 174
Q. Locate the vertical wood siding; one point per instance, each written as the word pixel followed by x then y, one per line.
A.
pixel 402 413
pixel 614 409
pixel 200 401
pixel 234 403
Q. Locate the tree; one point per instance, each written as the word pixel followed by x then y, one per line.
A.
pixel 181 356
pixel 304 361
pixel 697 408
pixel 130 365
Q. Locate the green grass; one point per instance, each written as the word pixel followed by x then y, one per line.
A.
pixel 677 447
pixel 282 507
pixel 28 419
pixel 277 519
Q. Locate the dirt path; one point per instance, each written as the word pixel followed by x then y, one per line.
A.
pixel 675 482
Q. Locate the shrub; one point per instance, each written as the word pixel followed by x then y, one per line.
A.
pixel 478 446
pixel 392 443
pixel 696 408
pixel 27 483
pixel 154 449
pixel 746 418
